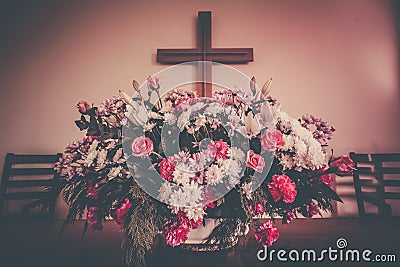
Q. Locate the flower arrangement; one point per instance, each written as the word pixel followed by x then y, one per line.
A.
pixel 280 171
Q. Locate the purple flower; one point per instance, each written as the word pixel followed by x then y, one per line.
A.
pixel 321 129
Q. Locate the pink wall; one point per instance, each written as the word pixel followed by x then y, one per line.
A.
pixel 336 59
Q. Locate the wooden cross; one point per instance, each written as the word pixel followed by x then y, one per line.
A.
pixel 205 52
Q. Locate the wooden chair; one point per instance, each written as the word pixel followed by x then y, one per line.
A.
pixel 376 171
pixel 26 177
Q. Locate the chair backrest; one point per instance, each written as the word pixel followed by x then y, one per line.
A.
pixel 26 177
pixel 375 175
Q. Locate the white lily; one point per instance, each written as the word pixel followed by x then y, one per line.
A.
pixel 125 97
pixel 137 113
pixel 251 124
pixel 265 90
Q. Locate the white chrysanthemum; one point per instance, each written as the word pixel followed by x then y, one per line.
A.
pixel 289 143
pixel 194 213
pixel 114 172
pixel 170 118
pixel 300 147
pixel 194 194
pixel 186 197
pixel 178 198
pixel 196 107
pixel 165 192
pixel 285 122
pixel 214 108
pixel 214 175
pixel 234 169
pixel 197 162
pixel 236 154
pixel 222 164
pixel 308 152
pixel 286 161
pixel 182 176
pixel 183 118
pixel 316 155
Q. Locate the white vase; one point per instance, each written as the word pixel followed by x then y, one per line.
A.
pixel 202 232
pixel 197 237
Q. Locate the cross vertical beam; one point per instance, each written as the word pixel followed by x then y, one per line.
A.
pixel 205 52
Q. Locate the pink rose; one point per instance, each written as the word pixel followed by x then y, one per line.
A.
pixel 167 167
pixel 153 82
pixel 266 234
pixel 344 164
pixel 271 140
pixel 83 107
pixel 322 176
pixel 282 187
pixel 122 212
pixel 219 149
pixel 142 146
pixel 327 179
pixel 255 161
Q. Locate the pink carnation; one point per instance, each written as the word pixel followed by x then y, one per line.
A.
pixel 271 140
pixel 266 234
pixel 310 210
pixel 167 167
pixel 257 208
pixel 287 217
pixel 219 149
pixel 92 190
pixel 255 161
pixel 183 220
pixel 94 218
pixel 122 212
pixel 344 164
pixel 282 187
pixel 142 146
pixel 176 232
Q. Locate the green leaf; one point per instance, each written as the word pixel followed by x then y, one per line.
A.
pixel 328 192
pixel 82 123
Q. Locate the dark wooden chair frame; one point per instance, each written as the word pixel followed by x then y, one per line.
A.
pixel 37 187
pixel 377 170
